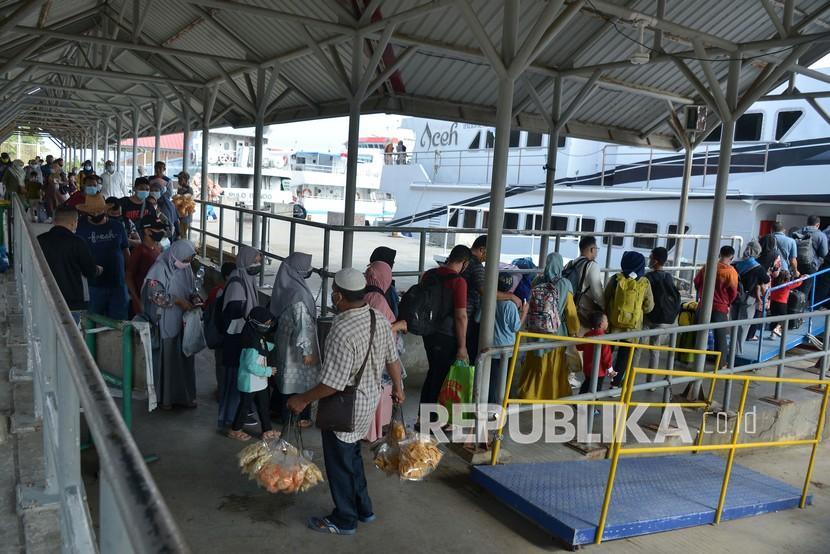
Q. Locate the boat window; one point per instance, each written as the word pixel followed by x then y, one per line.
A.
pixel 748 127
pixel 490 141
pixel 558 223
pixel 475 144
pixel 785 121
pixel 514 138
pixel 714 136
pixel 588 224
pixel 613 226
pixel 670 242
pixel 534 139
pixel 453 219
pixel 511 220
pixel 533 222
pixel 561 142
pixel 645 242
pixel 470 217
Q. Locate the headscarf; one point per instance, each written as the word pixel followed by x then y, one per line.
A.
pixel 247 293
pixel 383 254
pixel 553 274
pixel 176 282
pixel 526 281
pixel 251 338
pixel 290 285
pixel 379 275
pixel 633 262
pixel 751 252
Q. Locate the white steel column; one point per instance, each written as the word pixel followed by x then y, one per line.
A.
pixel 158 112
pixel 550 167
pixel 96 141
pixel 136 122
pixel 106 140
pixel 351 181
pixel 118 136
pixel 259 123
pixel 684 202
pixel 203 194
pixel 185 134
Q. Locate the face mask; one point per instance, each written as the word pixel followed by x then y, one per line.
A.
pixel 308 274
pixel 157 235
pixel 91 191
pixel 254 269
pixel 109 170
pixel 142 194
pixel 181 265
pixel 97 218
pixel 18 165
pixel 114 214
pixel 262 328
pixel 88 168
pixel 155 194
pixel 165 243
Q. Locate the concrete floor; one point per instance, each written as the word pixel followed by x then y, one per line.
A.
pixel 220 511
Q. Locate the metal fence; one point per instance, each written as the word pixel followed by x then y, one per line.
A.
pixel 499 358
pixel 262 222
pixel 133 516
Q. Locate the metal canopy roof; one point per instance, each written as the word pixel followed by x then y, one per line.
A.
pixel 66 64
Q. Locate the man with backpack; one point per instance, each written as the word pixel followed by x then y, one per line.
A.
pixel 726 290
pixel 666 302
pixel 811 245
pixel 787 249
pixel 628 298
pixel 436 309
pixel 586 280
pixel 751 276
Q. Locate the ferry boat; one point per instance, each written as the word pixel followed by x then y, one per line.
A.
pixel 780 161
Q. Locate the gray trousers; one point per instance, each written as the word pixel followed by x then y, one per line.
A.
pixel 656 340
pixel 742 309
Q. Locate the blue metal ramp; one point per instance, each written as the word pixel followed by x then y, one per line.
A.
pixel 770 346
pixel 651 494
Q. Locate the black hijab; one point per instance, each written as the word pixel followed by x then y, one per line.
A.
pixel 252 336
pixel 383 254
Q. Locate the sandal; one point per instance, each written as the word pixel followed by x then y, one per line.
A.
pixel 239 435
pixel 753 339
pixel 268 435
pixel 324 525
pixel 305 423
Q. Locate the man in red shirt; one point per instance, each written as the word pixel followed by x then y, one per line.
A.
pixel 142 259
pixel 726 290
pixel 449 343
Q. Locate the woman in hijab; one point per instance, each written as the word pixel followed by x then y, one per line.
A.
pixel 167 293
pixel 298 352
pixel 545 372
pixel 239 298
pixel 633 267
pixel 379 278
pixel 387 256
pixel 14 179
pixel 753 276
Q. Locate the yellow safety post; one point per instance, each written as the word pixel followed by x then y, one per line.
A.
pixel 731 458
pixel 819 427
pixel 503 416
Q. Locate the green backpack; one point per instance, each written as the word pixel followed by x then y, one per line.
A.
pixel 627 306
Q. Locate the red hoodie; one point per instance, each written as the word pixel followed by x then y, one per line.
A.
pixel 726 287
pixel 587 350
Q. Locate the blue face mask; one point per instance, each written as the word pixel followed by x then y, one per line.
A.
pixel 155 194
pixel 91 191
pixel 142 194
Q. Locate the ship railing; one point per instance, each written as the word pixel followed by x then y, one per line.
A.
pixel 236 226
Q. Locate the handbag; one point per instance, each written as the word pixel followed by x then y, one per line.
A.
pixel 336 412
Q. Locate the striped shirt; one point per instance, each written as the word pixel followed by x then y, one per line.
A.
pixel 345 349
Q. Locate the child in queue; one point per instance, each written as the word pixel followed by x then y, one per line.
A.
pixel 599 325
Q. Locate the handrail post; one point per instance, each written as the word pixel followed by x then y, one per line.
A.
pixel 731 457
pixel 608 259
pixel 292 237
pixel 782 353
pixel 422 251
pixel 733 349
pixel 240 232
pixel 812 303
pixel 221 233
pixel 825 360
pixel 263 246
pixel 761 324
pixel 594 382
pixel 324 273
pixel 127 376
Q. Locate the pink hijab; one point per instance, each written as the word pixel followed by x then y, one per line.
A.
pixel 379 274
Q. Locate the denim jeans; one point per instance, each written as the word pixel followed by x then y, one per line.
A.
pixel 109 302
pixel 347 481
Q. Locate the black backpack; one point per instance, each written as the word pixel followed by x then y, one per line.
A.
pixel 769 251
pixel 427 305
pixel 575 272
pixel 666 298
pixel 214 324
pixel 806 256
pixel 796 304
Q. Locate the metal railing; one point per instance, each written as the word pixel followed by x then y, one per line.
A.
pixel 811 304
pixel 263 221
pixel 669 336
pixel 133 516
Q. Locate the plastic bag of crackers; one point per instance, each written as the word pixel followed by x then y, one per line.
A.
pixel 387 453
pixel 419 456
pixel 279 467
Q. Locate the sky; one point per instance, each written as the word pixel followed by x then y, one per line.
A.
pixel 329 134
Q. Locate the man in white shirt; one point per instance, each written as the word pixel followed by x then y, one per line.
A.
pixel 113 182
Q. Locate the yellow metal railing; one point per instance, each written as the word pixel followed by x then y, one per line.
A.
pixel 615 449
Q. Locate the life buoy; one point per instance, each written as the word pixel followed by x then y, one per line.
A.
pixel 306 193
